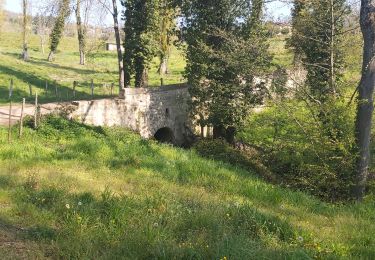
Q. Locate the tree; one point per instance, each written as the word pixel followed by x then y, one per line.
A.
pixel 25 22
pixel 167 24
pixel 226 49
pixel 141 44
pixel 113 10
pixel 1 14
pixel 317 40
pixel 58 28
pixel 318 27
pixel 81 32
pixel 365 98
pixel 44 20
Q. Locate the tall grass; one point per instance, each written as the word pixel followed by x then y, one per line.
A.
pixel 74 191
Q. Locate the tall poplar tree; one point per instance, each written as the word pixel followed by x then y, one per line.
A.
pixel 81 33
pixel 318 28
pixel 141 44
pixel 58 28
pixel 167 25
pixel 25 23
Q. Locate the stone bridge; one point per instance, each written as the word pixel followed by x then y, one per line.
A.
pixel 152 112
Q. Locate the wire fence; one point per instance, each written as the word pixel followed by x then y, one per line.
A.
pixel 53 91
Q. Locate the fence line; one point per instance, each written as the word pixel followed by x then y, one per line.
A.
pixel 52 91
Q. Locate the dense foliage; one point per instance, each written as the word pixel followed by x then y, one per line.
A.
pixel 58 27
pixel 318 28
pixel 226 49
pixel 141 45
pixel 167 26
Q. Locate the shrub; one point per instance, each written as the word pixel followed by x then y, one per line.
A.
pixel 222 151
pixel 303 153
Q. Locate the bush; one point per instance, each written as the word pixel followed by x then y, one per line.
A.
pixel 303 153
pixel 222 151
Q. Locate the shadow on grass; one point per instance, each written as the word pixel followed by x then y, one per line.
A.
pixel 111 226
pixel 45 63
pixel 55 93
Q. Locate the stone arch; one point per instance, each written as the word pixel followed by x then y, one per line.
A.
pixel 165 135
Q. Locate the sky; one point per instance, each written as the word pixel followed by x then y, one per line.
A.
pixel 275 9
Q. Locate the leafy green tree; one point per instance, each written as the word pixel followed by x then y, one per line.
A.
pixel 318 28
pixel 167 14
pixel 81 33
pixel 25 23
pixel 226 49
pixel 141 44
pixel 318 31
pixel 58 28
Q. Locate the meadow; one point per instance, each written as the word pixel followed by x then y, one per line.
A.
pixel 72 191
pixel 101 67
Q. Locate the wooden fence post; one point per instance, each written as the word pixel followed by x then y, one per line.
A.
pixel 161 82
pixel 46 87
pixel 74 88
pixel 11 88
pixel 30 90
pixel 112 86
pixel 10 111
pixel 10 121
pixel 55 88
pixel 92 88
pixel 21 117
pixel 36 111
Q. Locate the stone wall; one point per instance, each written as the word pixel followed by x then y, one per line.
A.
pixel 144 110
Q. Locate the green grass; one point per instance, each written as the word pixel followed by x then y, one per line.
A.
pixel 74 191
pixel 101 67
pixel 281 55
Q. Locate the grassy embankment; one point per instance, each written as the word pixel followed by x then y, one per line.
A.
pixel 101 67
pixel 73 191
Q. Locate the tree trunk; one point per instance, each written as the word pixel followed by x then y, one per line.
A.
pixel 25 53
pixel 51 56
pixel 118 44
pixel 80 34
pixel 218 132
pixel 163 67
pixel 42 40
pixel 365 98
pixel 142 79
pixel 230 134
pixel 82 58
pixel 332 51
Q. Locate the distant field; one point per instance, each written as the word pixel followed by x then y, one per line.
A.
pixel 101 67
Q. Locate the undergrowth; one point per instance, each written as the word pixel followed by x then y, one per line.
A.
pixel 90 192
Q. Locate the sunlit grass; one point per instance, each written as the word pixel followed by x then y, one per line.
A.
pixel 101 67
pixel 84 192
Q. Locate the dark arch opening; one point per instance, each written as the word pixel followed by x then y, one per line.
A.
pixel 164 135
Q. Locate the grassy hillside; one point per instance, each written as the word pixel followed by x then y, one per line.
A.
pixel 101 67
pixel 73 191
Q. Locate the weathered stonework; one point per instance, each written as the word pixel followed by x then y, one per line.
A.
pixel 144 110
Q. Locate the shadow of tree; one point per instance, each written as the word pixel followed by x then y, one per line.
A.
pixel 241 235
pixel 45 63
pixel 55 93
